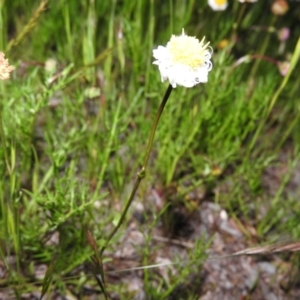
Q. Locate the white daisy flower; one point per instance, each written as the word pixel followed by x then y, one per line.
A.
pixel 218 4
pixel 184 61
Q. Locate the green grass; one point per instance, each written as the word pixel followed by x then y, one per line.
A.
pixel 68 161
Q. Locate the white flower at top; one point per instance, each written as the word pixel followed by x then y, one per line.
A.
pixel 218 4
pixel 185 61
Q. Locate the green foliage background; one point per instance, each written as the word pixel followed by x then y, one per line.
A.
pixel 68 158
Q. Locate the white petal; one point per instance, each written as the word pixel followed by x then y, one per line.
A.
pixel 216 6
pixel 161 53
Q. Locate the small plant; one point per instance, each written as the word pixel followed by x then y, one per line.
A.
pixel 221 159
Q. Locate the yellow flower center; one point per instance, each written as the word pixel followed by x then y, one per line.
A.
pixel 187 50
pixel 220 2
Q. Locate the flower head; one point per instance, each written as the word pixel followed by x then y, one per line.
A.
pixel 5 68
pixel 283 34
pixel 184 61
pixel 218 4
pixel 283 67
pixel 279 7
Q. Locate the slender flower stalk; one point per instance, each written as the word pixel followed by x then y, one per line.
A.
pixel 283 66
pixel 141 174
pixel 185 61
pixel 262 51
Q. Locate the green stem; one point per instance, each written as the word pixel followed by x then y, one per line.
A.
pixel 3 140
pixel 237 24
pixel 262 50
pixel 141 174
pixel 294 60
